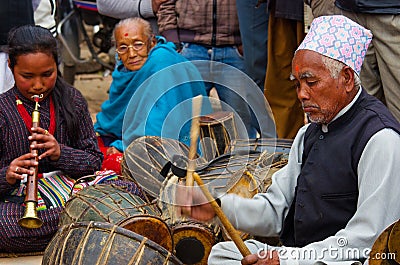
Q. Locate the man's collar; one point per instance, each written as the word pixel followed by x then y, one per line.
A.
pixel 324 127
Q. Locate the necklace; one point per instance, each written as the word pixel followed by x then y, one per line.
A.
pixel 28 119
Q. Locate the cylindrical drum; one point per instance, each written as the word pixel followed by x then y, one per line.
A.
pixel 216 132
pixel 113 204
pixel 93 243
pixel 194 241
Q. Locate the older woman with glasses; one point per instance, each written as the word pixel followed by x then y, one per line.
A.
pixel 157 100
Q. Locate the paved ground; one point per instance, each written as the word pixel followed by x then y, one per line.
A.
pixel 94 88
pixel 30 260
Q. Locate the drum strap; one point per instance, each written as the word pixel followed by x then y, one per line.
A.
pixel 164 171
pixel 178 165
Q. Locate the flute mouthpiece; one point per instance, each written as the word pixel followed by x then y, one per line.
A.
pixel 37 97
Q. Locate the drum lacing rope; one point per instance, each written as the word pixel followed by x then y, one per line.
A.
pixel 106 251
pixel 140 207
pixel 139 252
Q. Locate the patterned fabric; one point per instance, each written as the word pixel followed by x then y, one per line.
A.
pixel 56 189
pixel 339 38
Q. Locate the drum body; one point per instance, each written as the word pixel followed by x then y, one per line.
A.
pixel 232 173
pixel 113 204
pixel 386 248
pixel 276 156
pixel 193 241
pixel 227 174
pixel 87 243
pixel 270 145
pixel 216 132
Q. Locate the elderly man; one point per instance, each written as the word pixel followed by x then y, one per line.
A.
pixel 336 194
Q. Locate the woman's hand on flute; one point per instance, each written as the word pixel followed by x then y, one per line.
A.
pixel 44 140
pixel 20 166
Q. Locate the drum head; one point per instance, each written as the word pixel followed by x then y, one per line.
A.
pixel 151 227
pixel 394 242
pixel 380 253
pixel 93 243
pixel 193 242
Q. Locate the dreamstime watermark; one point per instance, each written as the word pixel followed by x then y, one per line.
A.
pixel 340 251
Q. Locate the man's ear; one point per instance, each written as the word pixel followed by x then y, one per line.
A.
pixel 348 78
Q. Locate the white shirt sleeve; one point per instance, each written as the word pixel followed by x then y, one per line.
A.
pixel 125 8
pixel 377 206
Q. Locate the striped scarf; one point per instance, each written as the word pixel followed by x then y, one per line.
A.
pixel 55 189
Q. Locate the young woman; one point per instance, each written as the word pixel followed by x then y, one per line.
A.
pixel 65 140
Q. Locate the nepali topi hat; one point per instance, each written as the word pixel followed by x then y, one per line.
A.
pixel 339 38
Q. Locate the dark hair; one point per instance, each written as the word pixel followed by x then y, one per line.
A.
pixel 34 39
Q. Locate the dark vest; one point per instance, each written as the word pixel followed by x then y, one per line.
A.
pixel 327 191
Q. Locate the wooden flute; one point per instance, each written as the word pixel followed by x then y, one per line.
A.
pixel 30 218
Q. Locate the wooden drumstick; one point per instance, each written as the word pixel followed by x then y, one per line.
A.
pixel 194 135
pixel 222 217
pixel 191 175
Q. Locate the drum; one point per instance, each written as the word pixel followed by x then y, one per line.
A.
pixel 113 204
pixel 276 152
pixel 245 172
pixel 394 242
pixel 271 145
pixel 226 174
pixel 233 173
pixel 146 158
pixel 93 243
pixel 386 248
pixel 216 132
pixel 193 241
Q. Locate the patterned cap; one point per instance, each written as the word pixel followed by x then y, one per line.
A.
pixel 339 38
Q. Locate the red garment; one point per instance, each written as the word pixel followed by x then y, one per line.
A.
pixel 111 161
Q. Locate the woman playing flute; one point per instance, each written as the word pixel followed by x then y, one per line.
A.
pixel 65 140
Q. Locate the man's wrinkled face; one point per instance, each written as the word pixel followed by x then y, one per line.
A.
pixel 321 95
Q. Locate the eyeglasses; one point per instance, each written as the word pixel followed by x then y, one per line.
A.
pixel 137 46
